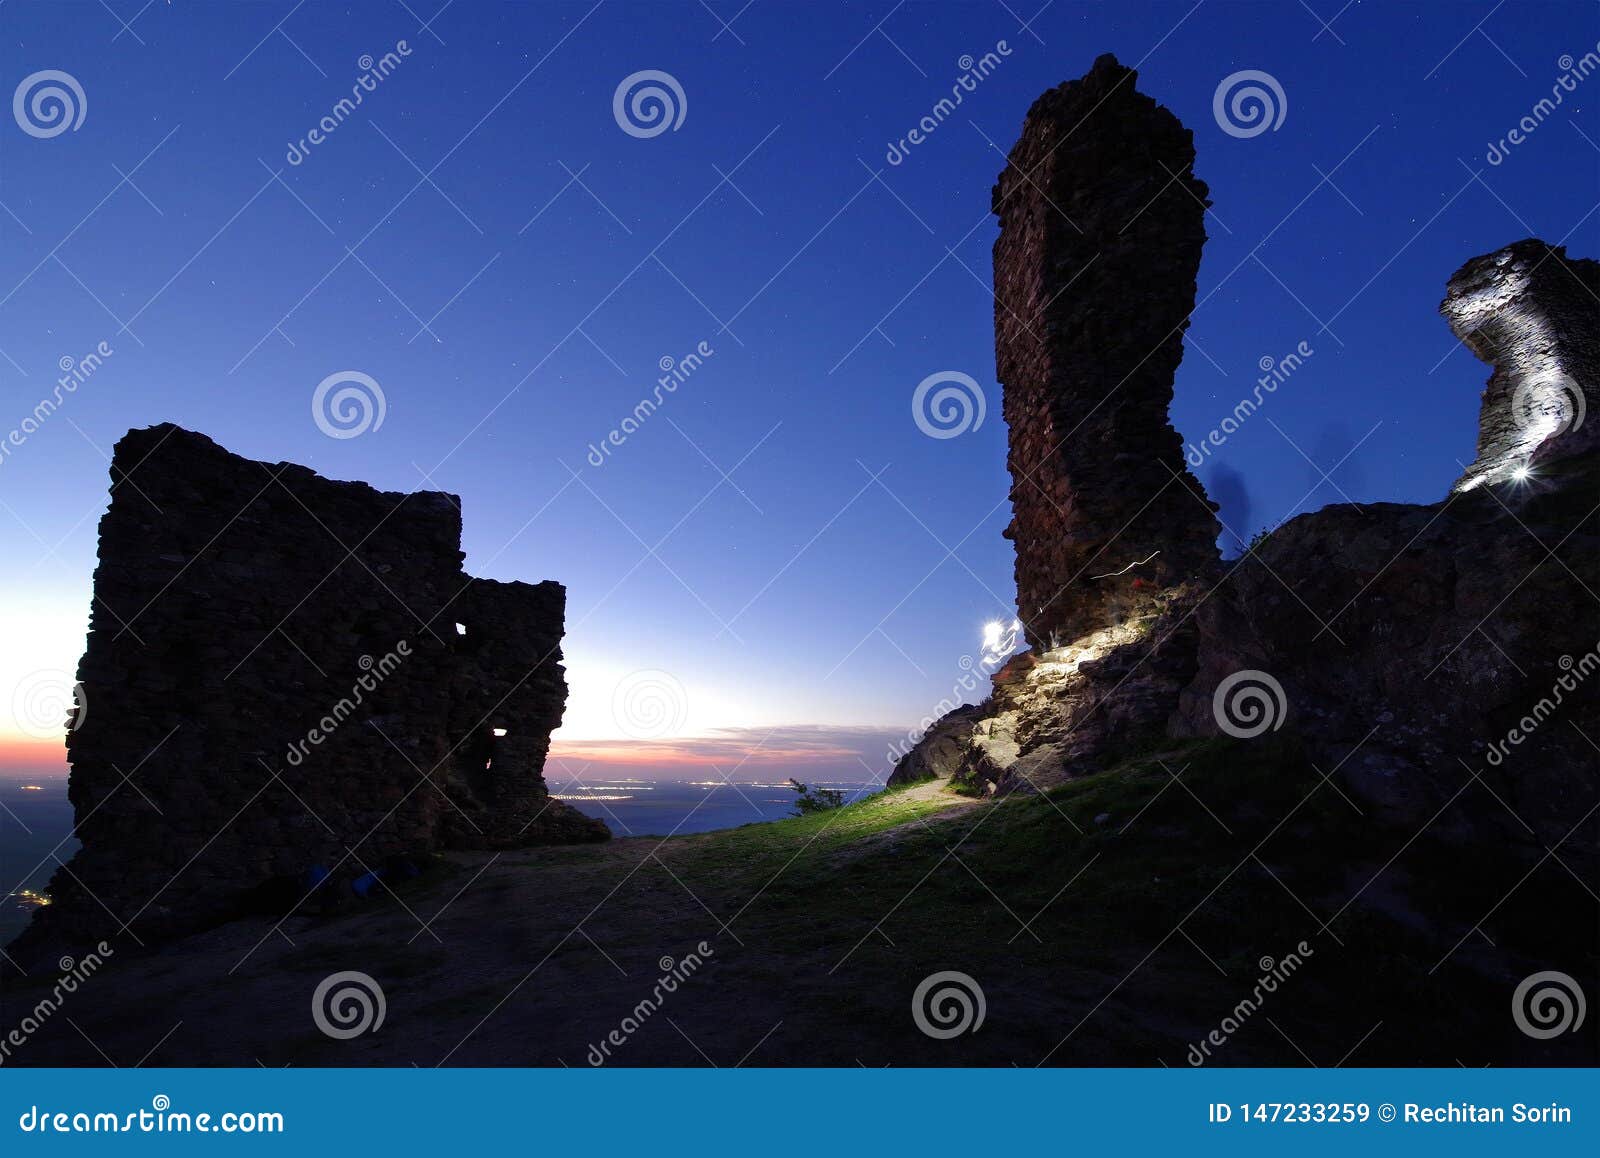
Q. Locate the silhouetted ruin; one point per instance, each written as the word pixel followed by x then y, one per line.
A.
pixel 1375 731
pixel 290 685
pixel 1101 224
pixel 1420 636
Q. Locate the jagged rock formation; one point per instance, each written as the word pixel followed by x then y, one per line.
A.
pixel 288 677
pixel 1101 224
pixel 1417 650
pixel 1528 310
pixel 1070 710
pixel 942 750
pixel 1432 644
pixel 1420 649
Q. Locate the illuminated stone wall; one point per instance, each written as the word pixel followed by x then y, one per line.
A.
pixel 1529 311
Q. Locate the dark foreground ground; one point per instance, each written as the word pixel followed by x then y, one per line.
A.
pixel 1116 920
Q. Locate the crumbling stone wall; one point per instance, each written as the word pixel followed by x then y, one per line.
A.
pixel 1434 643
pixel 1101 224
pixel 499 728
pixel 277 689
pixel 1412 646
pixel 1529 311
pixel 1419 651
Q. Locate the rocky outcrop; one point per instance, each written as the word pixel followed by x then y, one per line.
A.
pixel 940 752
pixel 1529 311
pixel 290 684
pixel 1417 651
pixel 1101 224
pixel 1420 646
pixel 1429 649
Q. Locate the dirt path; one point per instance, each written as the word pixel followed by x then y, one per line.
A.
pixel 527 957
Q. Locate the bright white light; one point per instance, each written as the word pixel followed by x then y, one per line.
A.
pixel 999 641
pixel 1521 473
pixel 499 731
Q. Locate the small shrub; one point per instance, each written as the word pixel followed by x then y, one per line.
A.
pixel 809 799
pixel 1259 539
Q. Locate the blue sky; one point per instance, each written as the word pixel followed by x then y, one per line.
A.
pixel 483 240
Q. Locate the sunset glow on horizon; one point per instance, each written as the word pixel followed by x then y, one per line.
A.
pixel 856 753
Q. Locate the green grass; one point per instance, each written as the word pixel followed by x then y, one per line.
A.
pixel 1114 919
pixel 1243 843
pixel 1148 893
pixel 826 831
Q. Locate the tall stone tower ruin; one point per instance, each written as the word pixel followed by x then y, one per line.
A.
pixel 1101 224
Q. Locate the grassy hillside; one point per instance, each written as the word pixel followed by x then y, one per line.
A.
pixel 1118 919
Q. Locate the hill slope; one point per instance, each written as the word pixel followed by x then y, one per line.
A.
pixel 1117 919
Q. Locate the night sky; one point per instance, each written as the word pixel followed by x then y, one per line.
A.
pixel 483 240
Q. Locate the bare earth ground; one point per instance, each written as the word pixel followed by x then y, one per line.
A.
pixel 1114 920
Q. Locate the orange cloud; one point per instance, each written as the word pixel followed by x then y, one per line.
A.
pixel 792 746
pixel 36 757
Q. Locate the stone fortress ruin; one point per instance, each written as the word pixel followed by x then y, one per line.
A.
pixel 1382 628
pixel 290 685
pixel 1101 225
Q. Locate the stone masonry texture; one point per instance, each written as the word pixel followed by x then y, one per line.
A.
pixel 1101 225
pixel 276 689
pixel 1529 311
